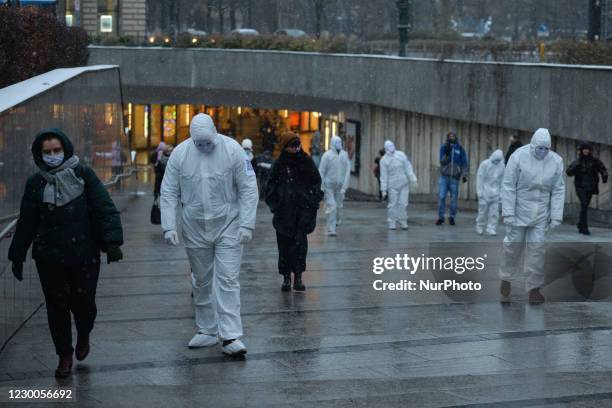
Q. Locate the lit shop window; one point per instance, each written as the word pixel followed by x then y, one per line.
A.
pixel 106 24
pixel 107 15
pixel 109 113
pixel 69 20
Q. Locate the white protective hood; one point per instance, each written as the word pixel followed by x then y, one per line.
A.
pixel 533 190
pixel 389 147
pixel 541 138
pixel 202 129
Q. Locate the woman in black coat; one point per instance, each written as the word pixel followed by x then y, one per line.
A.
pixel 586 170
pixel 69 216
pixel 293 193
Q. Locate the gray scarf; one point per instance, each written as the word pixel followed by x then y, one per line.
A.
pixel 63 185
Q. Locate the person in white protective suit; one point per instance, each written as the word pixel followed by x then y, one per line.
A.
pixel 533 195
pixel 213 180
pixel 396 178
pixel 247 145
pixel 335 170
pixel 488 188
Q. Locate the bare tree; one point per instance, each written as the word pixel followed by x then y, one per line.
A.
pixel 319 6
pixel 232 14
pixel 209 10
pixel 220 14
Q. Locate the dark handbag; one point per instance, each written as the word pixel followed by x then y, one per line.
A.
pixel 155 212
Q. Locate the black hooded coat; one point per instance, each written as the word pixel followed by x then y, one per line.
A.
pixel 72 234
pixel 293 193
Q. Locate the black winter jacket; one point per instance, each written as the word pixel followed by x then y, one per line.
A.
pixel 586 171
pixel 74 233
pixel 293 193
pixel 512 148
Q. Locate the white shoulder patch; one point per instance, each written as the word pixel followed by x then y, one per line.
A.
pixel 248 167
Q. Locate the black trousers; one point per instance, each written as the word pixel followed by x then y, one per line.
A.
pixel 292 253
pixel 69 289
pixel 585 199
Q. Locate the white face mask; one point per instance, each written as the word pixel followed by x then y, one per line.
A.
pixel 205 146
pixel 53 160
pixel 541 152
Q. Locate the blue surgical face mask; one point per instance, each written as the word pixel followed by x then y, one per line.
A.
pixel 53 160
pixel 541 152
pixel 205 146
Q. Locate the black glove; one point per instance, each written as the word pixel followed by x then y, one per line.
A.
pixel 113 254
pixel 464 179
pixel 604 179
pixel 18 270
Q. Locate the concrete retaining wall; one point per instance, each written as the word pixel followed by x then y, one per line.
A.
pixel 572 101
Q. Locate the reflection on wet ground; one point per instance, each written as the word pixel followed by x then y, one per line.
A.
pixel 340 343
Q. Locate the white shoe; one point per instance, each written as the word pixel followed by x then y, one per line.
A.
pixel 235 348
pixel 392 226
pixel 491 233
pixel 479 231
pixel 203 340
pixel 331 233
pixel 404 225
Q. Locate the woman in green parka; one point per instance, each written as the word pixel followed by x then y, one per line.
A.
pixel 69 217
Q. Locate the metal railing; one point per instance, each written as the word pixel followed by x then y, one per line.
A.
pixel 6 231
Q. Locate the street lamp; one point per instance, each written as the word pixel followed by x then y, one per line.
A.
pixel 403 25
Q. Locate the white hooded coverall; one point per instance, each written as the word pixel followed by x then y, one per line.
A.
pixel 335 170
pixel 533 195
pixel 488 187
pixel 396 176
pixel 218 194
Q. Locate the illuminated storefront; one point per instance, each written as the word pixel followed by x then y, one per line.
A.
pixel 151 124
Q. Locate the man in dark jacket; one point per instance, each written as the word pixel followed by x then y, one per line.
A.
pixel 515 143
pixel 69 216
pixel 377 160
pixel 293 193
pixel 586 170
pixel 453 167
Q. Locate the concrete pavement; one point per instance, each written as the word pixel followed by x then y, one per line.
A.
pixel 340 343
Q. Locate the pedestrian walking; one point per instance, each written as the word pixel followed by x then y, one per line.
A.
pixel 586 170
pixel 396 179
pixel 515 143
pixel 247 145
pixel 160 167
pixel 68 215
pixel 315 148
pixel 533 195
pixel 293 194
pixel 335 170
pixel 381 153
pixel 214 182
pixel 453 167
pixel 488 189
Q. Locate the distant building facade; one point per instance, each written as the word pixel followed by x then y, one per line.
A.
pixel 106 17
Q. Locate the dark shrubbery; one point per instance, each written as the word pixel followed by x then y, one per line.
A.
pixel 584 53
pixel 33 42
pixel 260 42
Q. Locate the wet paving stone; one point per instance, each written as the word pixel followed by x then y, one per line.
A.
pixel 339 344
